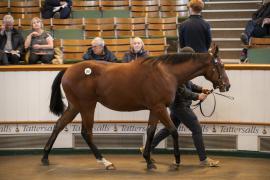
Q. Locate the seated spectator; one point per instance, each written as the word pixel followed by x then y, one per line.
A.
pixel 99 51
pixel 258 26
pixel 56 9
pixel 40 43
pixel 11 42
pixel 136 50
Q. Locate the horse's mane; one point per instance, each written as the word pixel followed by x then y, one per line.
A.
pixel 177 58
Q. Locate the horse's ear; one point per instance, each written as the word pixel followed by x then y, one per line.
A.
pixel 214 49
pixel 217 50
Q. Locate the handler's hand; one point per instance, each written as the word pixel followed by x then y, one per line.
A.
pixel 206 91
pixel 202 96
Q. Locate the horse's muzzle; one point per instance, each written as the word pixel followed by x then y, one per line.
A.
pixel 228 87
pixel 222 86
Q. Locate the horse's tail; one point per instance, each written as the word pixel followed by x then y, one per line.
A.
pixel 57 105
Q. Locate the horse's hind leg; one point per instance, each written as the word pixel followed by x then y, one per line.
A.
pixel 152 125
pixel 87 134
pixel 66 118
pixel 166 120
pixel 162 114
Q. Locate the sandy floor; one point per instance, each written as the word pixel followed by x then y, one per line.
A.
pixel 130 167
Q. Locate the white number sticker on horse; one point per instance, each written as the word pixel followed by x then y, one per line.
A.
pixel 87 71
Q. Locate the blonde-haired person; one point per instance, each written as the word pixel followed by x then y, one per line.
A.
pixel 11 42
pixel 195 32
pixel 136 50
pixel 99 51
pixel 40 43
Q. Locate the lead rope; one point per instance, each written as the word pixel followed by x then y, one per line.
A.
pixel 214 108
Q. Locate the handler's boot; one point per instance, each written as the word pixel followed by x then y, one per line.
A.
pixel 209 163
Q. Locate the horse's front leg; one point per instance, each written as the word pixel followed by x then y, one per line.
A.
pixel 147 150
pixel 165 119
pixel 152 125
pixel 87 134
pixel 66 118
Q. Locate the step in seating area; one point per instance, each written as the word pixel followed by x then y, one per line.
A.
pixel 259 50
pixel 73 49
pixel 100 8
pixel 82 28
pixel 20 9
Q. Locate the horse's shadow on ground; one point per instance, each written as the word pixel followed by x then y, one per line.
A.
pixel 87 169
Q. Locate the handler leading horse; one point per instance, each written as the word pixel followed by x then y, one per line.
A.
pixel 143 84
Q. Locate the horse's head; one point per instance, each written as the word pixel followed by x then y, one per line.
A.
pixel 216 72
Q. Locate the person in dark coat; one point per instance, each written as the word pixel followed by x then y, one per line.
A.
pixel 258 26
pixel 11 42
pixel 56 7
pixel 136 50
pixel 99 51
pixel 195 31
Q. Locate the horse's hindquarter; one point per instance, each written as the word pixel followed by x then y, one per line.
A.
pixel 80 81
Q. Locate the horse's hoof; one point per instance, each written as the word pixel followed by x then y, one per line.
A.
pixel 45 161
pixel 151 166
pixel 110 167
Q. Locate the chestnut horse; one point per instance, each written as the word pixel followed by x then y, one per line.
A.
pixel 149 83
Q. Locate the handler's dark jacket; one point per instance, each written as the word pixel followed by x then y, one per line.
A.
pixel 129 56
pixel 184 96
pixel 17 40
pixel 195 33
pixel 107 56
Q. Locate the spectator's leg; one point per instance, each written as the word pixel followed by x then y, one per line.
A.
pixel 65 13
pixel 33 58
pixel 13 59
pixel 250 28
pixel 248 32
pixel 4 59
pixel 47 14
pixel 259 31
pixel 47 59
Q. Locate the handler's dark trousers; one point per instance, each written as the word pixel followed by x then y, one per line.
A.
pixel 186 116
